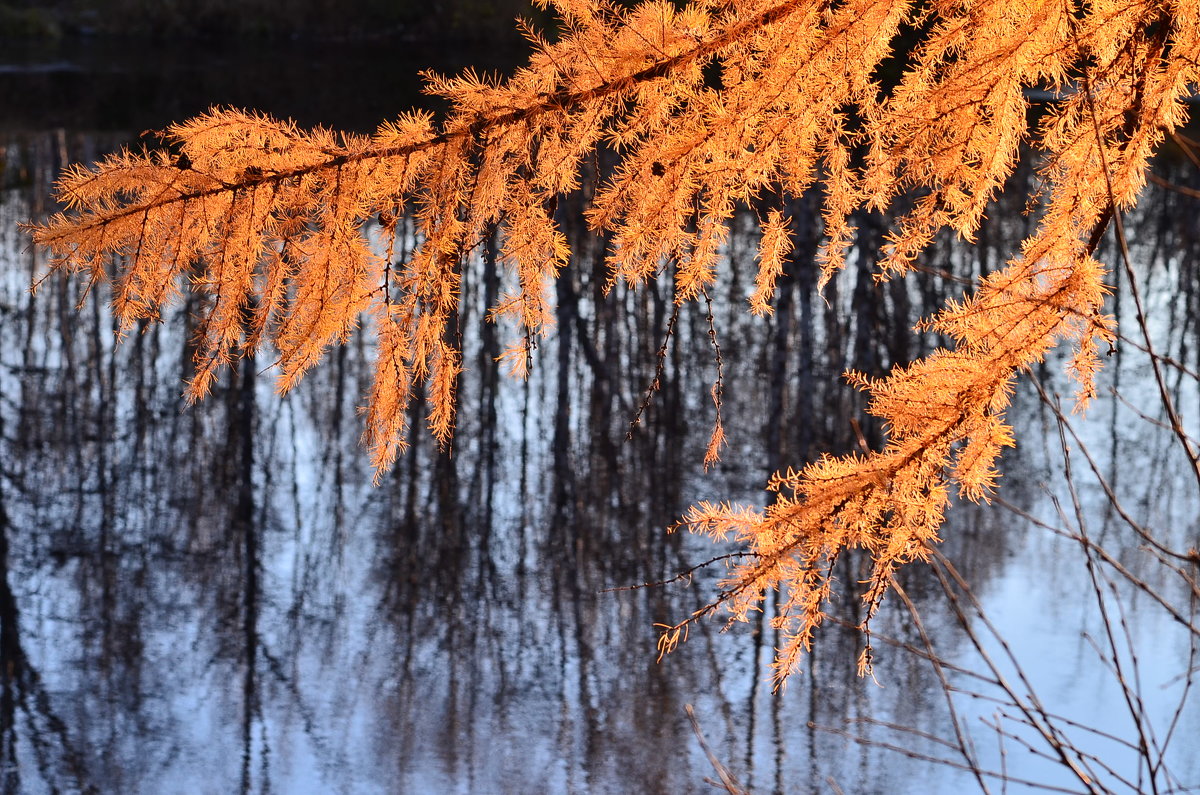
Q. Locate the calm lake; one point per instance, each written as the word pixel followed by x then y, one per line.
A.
pixel 215 598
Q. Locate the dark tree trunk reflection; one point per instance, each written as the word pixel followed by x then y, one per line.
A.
pixel 218 591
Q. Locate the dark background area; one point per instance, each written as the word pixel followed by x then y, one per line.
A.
pixel 327 20
pixel 121 65
pixel 105 84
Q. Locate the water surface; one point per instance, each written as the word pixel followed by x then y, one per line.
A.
pixel 214 598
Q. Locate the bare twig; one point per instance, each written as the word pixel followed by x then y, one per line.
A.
pixel 728 782
pixel 686 574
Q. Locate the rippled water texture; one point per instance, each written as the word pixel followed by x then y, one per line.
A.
pixel 214 598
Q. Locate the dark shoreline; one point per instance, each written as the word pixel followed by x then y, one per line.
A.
pixel 106 84
pixel 266 21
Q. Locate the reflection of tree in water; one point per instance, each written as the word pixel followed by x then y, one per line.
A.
pixel 218 590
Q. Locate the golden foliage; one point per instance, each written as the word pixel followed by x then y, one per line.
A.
pixel 269 221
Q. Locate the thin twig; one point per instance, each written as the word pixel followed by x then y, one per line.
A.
pixel 728 782
pixel 659 367
pixel 920 757
pixel 963 746
pixel 686 574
